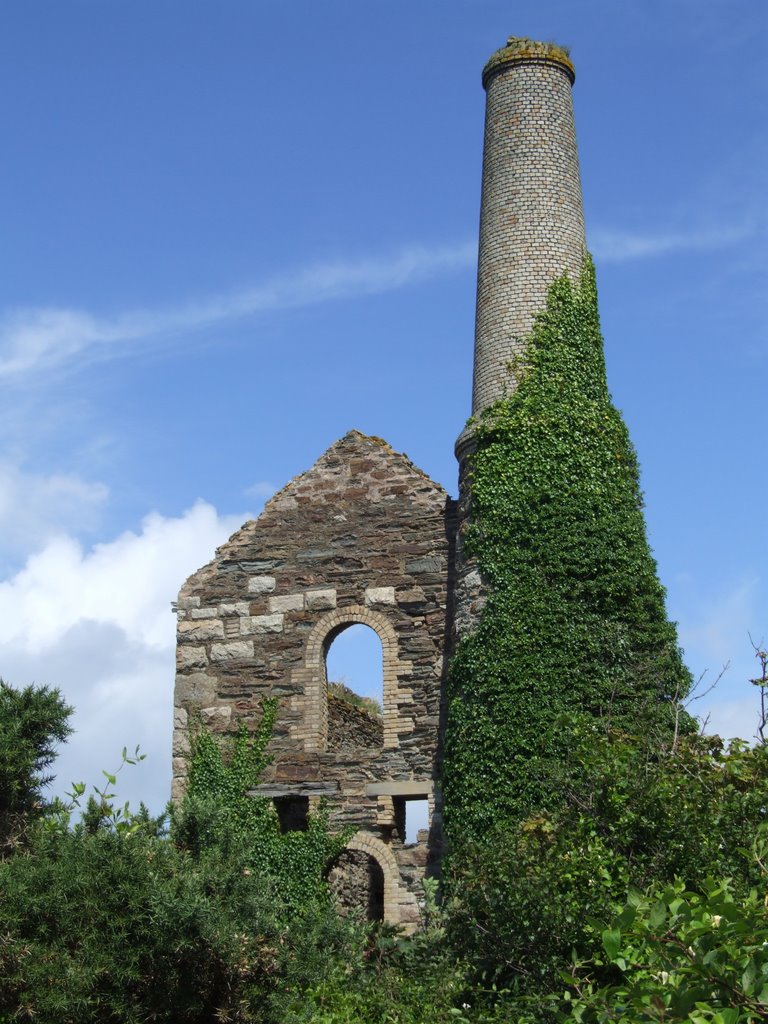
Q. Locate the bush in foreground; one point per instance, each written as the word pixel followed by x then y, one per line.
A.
pixel 632 817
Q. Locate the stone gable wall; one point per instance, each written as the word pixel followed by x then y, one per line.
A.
pixel 362 537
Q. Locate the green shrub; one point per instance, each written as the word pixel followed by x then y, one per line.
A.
pixel 111 919
pixel 631 816
pixel 32 722
pixel 99 926
pixel 387 978
pixel 673 955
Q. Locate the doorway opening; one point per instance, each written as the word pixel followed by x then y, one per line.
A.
pixel 356 881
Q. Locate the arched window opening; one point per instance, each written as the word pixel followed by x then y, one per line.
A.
pixel 356 881
pixel 354 670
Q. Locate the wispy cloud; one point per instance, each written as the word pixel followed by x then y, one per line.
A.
pixel 620 246
pixel 262 490
pixel 39 339
pixel 34 506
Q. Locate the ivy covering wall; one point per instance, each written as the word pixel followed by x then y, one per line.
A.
pixel 575 622
pixel 218 812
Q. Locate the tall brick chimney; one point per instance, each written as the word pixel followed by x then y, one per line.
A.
pixel 531 231
pixel 531 215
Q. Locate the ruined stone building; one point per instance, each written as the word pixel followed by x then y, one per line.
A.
pixel 365 537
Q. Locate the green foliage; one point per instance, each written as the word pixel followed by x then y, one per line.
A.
pixel 631 817
pixel 674 955
pixel 108 918
pixel 32 722
pixel 368 704
pixel 218 812
pixel 117 926
pixel 575 618
pixel 100 810
pixel 388 978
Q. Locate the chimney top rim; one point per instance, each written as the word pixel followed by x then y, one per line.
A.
pixel 521 50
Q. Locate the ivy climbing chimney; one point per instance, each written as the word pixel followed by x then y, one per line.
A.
pixel 531 231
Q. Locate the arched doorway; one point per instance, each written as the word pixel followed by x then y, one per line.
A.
pixel 356 881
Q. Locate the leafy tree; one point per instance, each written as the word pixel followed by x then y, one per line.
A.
pixel 32 722
pixel 674 955
pixel 631 817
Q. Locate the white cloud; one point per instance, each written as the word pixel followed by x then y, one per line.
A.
pixel 262 489
pixel 98 624
pixel 32 505
pixel 38 339
pixel 611 246
pixel 128 582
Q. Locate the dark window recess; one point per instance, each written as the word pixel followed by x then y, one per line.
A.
pixel 399 805
pixel 293 812
pixel 376 891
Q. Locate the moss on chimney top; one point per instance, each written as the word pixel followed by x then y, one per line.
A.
pixel 520 49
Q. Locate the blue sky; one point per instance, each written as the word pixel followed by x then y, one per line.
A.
pixel 233 231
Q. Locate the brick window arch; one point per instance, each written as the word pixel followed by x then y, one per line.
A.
pixel 354 667
pixel 400 905
pixel 310 706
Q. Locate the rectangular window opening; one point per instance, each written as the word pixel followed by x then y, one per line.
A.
pixel 293 812
pixel 412 819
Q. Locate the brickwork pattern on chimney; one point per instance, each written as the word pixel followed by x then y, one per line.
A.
pixel 531 231
pixel 531 220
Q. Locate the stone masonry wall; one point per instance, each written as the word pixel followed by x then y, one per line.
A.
pixel 362 537
pixel 352 728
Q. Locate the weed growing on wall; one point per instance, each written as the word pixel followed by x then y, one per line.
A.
pixel 218 813
pixel 575 621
